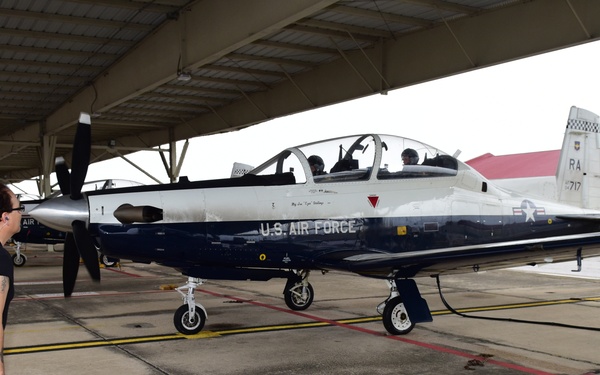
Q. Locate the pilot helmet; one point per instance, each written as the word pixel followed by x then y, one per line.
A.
pixel 413 156
pixel 318 164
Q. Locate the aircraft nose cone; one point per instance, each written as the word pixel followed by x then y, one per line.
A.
pixel 59 213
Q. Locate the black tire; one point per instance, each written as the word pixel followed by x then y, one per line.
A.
pixel 19 261
pixel 395 318
pixel 188 326
pixel 293 296
pixel 108 262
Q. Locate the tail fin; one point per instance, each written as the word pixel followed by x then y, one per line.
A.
pixel 578 172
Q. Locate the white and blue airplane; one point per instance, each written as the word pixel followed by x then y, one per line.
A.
pixel 358 208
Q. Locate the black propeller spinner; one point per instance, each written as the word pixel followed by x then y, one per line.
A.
pixel 78 243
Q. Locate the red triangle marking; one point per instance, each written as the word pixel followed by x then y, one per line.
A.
pixel 373 199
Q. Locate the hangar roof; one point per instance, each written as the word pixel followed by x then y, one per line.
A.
pixel 155 72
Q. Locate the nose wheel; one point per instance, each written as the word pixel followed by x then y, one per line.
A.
pixel 189 323
pixel 190 317
pixel 19 259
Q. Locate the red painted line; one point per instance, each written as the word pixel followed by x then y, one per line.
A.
pixel 85 295
pixel 376 333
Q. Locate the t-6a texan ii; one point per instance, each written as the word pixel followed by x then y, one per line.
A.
pixel 380 206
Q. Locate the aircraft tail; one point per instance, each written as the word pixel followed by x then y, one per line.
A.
pixel 578 172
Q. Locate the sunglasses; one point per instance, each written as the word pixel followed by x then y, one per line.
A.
pixel 21 209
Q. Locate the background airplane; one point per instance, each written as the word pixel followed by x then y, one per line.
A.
pixel 34 232
pixel 369 215
pixel 530 172
pixel 540 173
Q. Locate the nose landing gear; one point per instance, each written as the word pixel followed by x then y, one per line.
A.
pixel 190 317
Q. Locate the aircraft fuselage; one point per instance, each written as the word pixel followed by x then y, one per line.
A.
pixel 301 228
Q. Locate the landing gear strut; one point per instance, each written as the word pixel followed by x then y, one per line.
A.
pixel 298 293
pixel 403 308
pixel 190 317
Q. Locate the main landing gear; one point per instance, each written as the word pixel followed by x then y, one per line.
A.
pixel 190 317
pixel 400 311
pixel 403 308
pixel 298 293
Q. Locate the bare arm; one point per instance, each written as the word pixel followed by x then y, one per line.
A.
pixel 4 285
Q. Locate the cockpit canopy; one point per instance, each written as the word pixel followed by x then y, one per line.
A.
pixel 361 157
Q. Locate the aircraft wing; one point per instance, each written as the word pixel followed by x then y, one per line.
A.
pixel 462 259
pixel 591 217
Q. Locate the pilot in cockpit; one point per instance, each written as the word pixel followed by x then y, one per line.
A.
pixel 317 166
pixel 410 157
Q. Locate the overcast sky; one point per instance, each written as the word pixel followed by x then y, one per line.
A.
pixel 520 106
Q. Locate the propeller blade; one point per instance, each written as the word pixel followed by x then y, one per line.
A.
pixel 86 248
pixel 62 175
pixel 70 265
pixel 81 154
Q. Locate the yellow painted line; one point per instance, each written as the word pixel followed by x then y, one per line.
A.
pixel 91 344
pixel 272 328
pixel 282 327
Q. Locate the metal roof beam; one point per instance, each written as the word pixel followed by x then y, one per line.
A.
pixel 404 20
pixel 173 106
pixel 191 98
pixel 198 89
pixel 252 72
pixel 43 78
pixel 57 52
pixel 132 110
pixel 332 33
pixel 445 5
pixel 78 20
pixel 43 35
pixel 271 60
pixel 129 124
pixel 52 89
pixel 341 27
pixel 226 81
pixel 296 47
pixel 50 65
pixel 159 6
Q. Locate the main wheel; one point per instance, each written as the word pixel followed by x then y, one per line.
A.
pixel 295 300
pixel 395 318
pixel 185 323
pixel 19 260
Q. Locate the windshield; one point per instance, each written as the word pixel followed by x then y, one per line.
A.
pixel 339 159
pixel 356 157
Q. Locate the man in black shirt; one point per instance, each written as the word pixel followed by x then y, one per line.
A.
pixel 10 224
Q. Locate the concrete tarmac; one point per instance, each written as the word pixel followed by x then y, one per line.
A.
pixel 124 325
